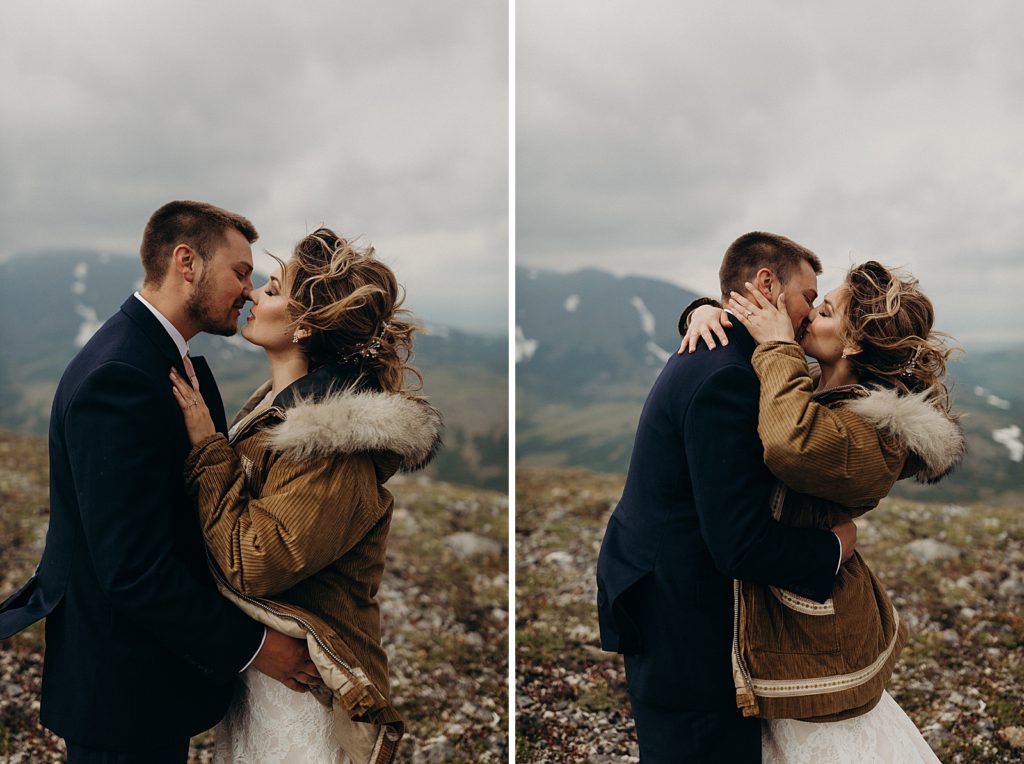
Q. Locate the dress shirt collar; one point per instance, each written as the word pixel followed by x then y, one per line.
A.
pixel 175 335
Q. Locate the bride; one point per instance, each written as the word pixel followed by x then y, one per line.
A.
pixel 293 506
pixel 877 412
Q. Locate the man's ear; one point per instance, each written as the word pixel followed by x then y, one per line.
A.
pixel 765 282
pixel 183 262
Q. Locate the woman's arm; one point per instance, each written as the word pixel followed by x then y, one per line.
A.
pixel 699 320
pixel 308 515
pixel 827 452
pixel 310 512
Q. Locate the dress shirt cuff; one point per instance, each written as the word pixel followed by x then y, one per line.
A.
pixel 261 647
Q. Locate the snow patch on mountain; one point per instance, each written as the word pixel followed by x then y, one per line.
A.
pixel 80 272
pixel 646 317
pixel 571 303
pixel 1010 437
pixel 992 400
pixel 89 326
pixel 525 347
pixel 437 330
pixel 658 354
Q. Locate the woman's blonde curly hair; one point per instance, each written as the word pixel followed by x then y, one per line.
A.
pixel 890 319
pixel 351 303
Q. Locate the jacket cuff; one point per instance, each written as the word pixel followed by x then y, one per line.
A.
pixel 684 317
pixel 199 450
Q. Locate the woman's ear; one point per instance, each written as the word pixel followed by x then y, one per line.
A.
pixel 300 334
pixel 852 350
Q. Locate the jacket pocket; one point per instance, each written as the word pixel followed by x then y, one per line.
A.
pixel 620 628
pixel 778 621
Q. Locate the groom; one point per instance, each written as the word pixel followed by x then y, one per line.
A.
pixel 692 517
pixel 141 650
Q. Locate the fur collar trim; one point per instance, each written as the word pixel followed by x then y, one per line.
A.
pixel 347 421
pixel 933 437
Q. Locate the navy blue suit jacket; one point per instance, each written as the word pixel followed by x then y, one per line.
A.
pixel 141 650
pixel 693 516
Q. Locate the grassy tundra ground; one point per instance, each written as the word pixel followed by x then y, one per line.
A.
pixel 956 574
pixel 444 600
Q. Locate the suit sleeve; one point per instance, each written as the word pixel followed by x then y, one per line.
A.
pixel 123 475
pixel 730 488
pixel 308 514
pixel 827 452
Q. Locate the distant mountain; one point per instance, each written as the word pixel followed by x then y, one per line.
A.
pixel 590 344
pixel 580 334
pixel 52 302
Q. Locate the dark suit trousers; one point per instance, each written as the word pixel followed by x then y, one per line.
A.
pixel 668 736
pixel 80 754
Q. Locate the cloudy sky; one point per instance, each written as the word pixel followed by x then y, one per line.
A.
pixel 650 133
pixel 386 119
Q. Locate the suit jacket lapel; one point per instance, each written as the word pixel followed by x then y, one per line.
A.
pixel 156 334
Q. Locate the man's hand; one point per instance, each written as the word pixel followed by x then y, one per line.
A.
pixel 286 660
pixel 847 533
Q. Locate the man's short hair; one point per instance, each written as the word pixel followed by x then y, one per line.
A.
pixel 200 225
pixel 756 250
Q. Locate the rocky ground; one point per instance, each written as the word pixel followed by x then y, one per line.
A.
pixel 956 574
pixel 444 600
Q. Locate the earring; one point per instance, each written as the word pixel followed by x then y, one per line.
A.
pixel 295 339
pixel 844 354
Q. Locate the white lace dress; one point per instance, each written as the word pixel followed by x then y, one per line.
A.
pixel 884 735
pixel 269 724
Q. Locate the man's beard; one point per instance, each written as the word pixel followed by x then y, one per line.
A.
pixel 201 310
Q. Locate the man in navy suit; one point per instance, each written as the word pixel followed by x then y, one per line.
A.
pixel 693 516
pixel 141 650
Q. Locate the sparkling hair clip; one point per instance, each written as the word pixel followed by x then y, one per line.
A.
pixel 371 348
pixel 908 370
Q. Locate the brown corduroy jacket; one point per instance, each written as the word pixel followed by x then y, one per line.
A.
pixel 836 454
pixel 296 517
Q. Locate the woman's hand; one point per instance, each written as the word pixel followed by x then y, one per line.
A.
pixel 703 321
pixel 198 421
pixel 764 321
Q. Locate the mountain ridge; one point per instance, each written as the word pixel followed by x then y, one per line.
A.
pixel 582 377
pixel 51 303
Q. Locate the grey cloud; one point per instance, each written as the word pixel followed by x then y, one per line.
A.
pixel 383 119
pixel 650 134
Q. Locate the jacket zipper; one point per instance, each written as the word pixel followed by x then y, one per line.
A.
pixel 261 603
pixel 253 422
pixel 281 614
pixel 747 705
